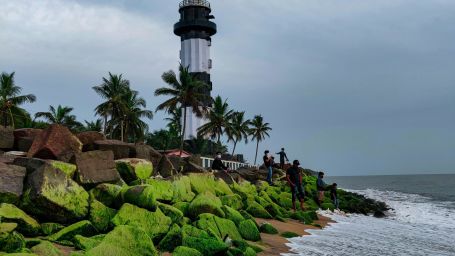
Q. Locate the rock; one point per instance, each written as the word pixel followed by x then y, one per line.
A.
pixel 163 189
pixel 11 183
pixel 226 177
pixel 87 243
pixel 203 182
pixel 257 210
pixel 234 201
pixel 165 167
pixel 30 164
pixel 132 169
pixel 96 167
pixel 206 246
pixel 84 228
pixel 244 189
pixel 125 241
pixel 182 189
pixel 172 239
pixel 177 163
pixel 186 251
pixel 88 139
pixel 24 143
pixel 26 224
pixel 249 231
pixel 327 206
pixel 288 234
pixel 67 168
pixel 146 152
pixel 140 195
pixel 27 132
pixel 100 215
pixel 50 228
pixel 222 228
pixel 175 214
pixel 56 142
pixel 250 174
pixel 11 242
pixel 268 229
pixel 233 215
pixel 46 248
pixel 121 149
pixel 205 203
pixel 379 214
pixel 106 193
pixel 51 195
pixel 155 224
pixel 183 207
pixel 7 227
pixel 6 137
pixel 190 167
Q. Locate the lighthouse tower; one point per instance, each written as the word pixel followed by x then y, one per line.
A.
pixel 195 30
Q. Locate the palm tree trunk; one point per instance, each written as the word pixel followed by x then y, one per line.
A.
pixel 257 147
pixel 183 131
pixel 235 144
pixel 12 118
pixel 105 125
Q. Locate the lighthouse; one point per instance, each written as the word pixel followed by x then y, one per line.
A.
pixel 195 30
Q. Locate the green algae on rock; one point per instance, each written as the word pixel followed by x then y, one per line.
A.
pixel 84 228
pixel 50 228
pixel 172 239
pixel 233 215
pixel 67 168
pixel 175 214
pixel 186 251
pixel 125 241
pixel 140 195
pixel 206 246
pixel 100 215
pixel 249 231
pixel 11 242
pixel 234 201
pixel 162 189
pixel 87 243
pixel 268 229
pixel 46 248
pixel 218 226
pixel 132 169
pixel 26 224
pixel 106 193
pixel 205 203
pixel 257 210
pixel 183 207
pixel 288 234
pixel 182 190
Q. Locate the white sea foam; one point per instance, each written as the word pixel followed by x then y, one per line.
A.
pixel 416 226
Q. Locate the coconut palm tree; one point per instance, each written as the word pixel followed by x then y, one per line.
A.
pixel 174 124
pixel 10 99
pixel 218 119
pixel 96 125
pixel 184 91
pixel 111 90
pixel 61 115
pixel 238 129
pixel 258 131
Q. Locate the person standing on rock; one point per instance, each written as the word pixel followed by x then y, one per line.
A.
pixel 218 164
pixel 283 156
pixel 268 163
pixel 334 196
pixel 321 187
pixel 294 178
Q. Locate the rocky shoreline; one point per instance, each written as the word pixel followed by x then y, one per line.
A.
pixel 80 194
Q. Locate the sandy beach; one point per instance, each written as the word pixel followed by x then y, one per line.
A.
pixel 276 244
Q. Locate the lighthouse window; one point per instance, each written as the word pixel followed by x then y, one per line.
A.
pixel 210 63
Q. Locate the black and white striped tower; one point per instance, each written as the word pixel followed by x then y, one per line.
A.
pixel 195 30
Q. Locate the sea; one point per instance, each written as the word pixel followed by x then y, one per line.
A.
pixel 421 222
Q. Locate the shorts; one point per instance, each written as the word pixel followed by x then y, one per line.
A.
pixel 297 189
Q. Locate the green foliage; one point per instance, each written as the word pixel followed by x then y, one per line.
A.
pixel 205 203
pixel 62 116
pixel 268 229
pixel 288 234
pixel 258 131
pixel 249 231
pixel 219 117
pixel 26 224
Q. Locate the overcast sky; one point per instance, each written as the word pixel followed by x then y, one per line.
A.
pixel 349 86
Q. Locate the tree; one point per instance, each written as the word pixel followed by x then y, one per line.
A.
pixel 258 131
pixel 61 115
pixel 174 124
pixel 96 125
pixel 10 100
pixel 238 129
pixel 184 91
pixel 218 120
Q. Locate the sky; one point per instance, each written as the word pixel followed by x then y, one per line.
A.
pixel 351 87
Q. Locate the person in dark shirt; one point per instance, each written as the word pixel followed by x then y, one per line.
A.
pixel 283 156
pixel 218 164
pixel 321 187
pixel 294 178
pixel 334 196
pixel 268 163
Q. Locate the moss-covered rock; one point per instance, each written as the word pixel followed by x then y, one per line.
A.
pixel 183 207
pixel 26 224
pixel 288 234
pixel 218 226
pixel 84 228
pixel 155 224
pixel 46 248
pixel 182 190
pixel 234 201
pixel 7 227
pixel 188 230
pixel 106 193
pixel 250 252
pixel 268 229
pixel 285 200
pixel 249 231
pixel 132 169
pixel 202 182
pixel 50 228
pixel 141 195
pixel 100 215
pixel 175 214
pixel 327 206
pixel 257 210
pixel 12 242
pixel 205 203
pixel 233 215
pixel 206 246
pixel 87 243
pixel 186 251
pixel 162 189
pixel 172 239
pixel 67 168
pixel 125 241
pixel 244 189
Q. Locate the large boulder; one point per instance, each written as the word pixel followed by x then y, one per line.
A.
pixel 165 167
pixel 181 187
pixel 107 194
pixel 30 164
pixel 140 195
pixel 96 167
pixel 52 195
pixel 88 139
pixel 6 137
pixel 23 138
pixel 132 169
pixel 218 226
pixel 146 152
pixel 190 167
pixel 84 228
pixel 205 203
pixel 11 182
pixel 250 174
pixel 46 248
pixel 162 189
pixel 26 224
pixel 56 142
pixel 100 215
pixel 23 144
pixel 120 149
pixel 249 230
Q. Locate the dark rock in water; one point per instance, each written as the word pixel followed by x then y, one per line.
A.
pixel 6 137
pixel 11 183
pixel 146 152
pixel 30 164
pixel 120 149
pixel 51 195
pixel 96 167
pixel 165 167
pixel 88 139
pixel 56 142
pixel 379 214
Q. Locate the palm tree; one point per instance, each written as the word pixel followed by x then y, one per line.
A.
pixel 10 99
pixel 219 116
pixel 238 129
pixel 61 115
pixel 174 124
pixel 112 89
pixel 185 91
pixel 96 125
pixel 259 130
